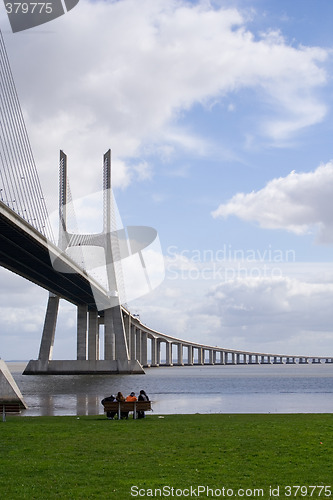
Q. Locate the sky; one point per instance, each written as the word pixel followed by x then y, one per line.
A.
pixel 219 118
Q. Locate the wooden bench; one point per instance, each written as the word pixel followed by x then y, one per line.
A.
pixel 127 406
pixel 8 407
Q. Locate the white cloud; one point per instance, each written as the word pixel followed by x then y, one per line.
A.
pixel 121 73
pixel 300 203
pixel 286 314
pixel 273 311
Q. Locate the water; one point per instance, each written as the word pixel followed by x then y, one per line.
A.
pixel 192 389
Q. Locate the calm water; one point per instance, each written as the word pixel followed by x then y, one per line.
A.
pixel 208 389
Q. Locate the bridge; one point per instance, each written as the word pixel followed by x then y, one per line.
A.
pixel 27 252
pixel 27 248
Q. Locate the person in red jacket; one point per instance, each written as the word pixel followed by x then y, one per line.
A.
pixel 132 398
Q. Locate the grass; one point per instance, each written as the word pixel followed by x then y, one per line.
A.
pixel 91 457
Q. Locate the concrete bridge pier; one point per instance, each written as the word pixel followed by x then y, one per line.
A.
pixel 303 361
pixel 154 362
pixel 116 356
pixel 144 349
pixel 138 345
pixel 210 357
pixel 82 329
pixel 233 358
pixel 222 358
pixel 200 356
pixel 132 341
pixel 50 323
pixel 93 335
pixel 168 353
pixel 180 361
pixel 190 355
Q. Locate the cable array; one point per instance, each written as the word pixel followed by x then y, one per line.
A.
pixel 20 188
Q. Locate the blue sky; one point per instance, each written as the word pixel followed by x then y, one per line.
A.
pixel 219 117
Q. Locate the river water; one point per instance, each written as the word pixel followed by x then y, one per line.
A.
pixel 188 389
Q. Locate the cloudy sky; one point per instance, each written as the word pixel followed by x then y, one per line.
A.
pixel 219 117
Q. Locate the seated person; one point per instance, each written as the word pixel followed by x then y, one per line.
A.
pixel 132 398
pixel 142 397
pixel 120 398
pixel 110 414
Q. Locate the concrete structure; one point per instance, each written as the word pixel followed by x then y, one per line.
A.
pixel 10 394
pixel 106 312
pixel 129 345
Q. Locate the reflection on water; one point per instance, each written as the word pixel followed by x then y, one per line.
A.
pixel 208 389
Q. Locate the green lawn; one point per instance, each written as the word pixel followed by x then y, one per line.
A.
pixel 92 457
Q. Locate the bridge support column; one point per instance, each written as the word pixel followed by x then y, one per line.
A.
pixel 180 354
pixel 190 355
pixel 158 352
pixel 200 356
pixel 127 327
pixel 138 345
pixel 168 354
pixel 47 342
pixel 109 336
pixel 144 347
pixel 302 361
pixel 120 336
pixel 93 336
pixel 154 351
pixel 82 312
pixel 132 342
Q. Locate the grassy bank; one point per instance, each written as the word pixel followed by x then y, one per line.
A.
pixel 91 457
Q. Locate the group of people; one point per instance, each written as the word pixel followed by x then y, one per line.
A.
pixel 120 398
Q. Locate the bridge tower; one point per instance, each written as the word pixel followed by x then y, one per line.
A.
pixel 107 313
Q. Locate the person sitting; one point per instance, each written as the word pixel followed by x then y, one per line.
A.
pixel 142 397
pixel 120 398
pixel 110 414
pixel 132 398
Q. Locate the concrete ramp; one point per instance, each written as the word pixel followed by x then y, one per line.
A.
pixel 11 399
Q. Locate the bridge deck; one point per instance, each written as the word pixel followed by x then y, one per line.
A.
pixel 24 251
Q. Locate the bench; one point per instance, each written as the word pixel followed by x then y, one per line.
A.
pixel 127 406
pixel 8 407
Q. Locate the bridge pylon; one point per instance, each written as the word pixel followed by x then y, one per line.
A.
pixel 106 312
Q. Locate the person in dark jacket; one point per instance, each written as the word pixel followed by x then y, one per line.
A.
pixel 142 397
pixel 110 414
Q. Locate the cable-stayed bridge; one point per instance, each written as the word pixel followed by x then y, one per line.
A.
pixel 28 248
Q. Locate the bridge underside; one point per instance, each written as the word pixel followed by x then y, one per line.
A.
pixel 83 367
pixel 26 252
